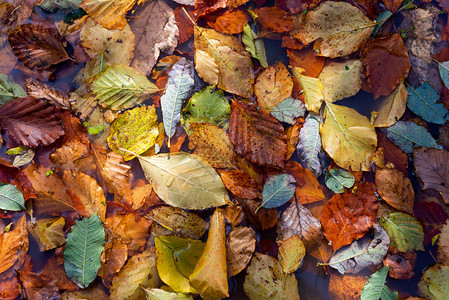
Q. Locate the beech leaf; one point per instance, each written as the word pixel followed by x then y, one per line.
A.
pixel 83 248
pixel 291 254
pixel 14 245
pixel 309 145
pixel 158 294
pixel 423 102
pixel 392 107
pixel 240 245
pixel 433 284
pixel 313 90
pixel 180 83
pixel 396 189
pixel 338 179
pixel 48 233
pixel 183 180
pixel 376 288
pixel 60 5
pixel 405 231
pixel 277 190
pixel 288 110
pixel 443 68
pixel 9 89
pixel 11 198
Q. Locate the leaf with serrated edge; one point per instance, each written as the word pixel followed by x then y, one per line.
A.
pixel 158 294
pixel 291 254
pixel 108 13
pixel 309 145
pixel 405 231
pixel 254 45
pixel 240 245
pixel 288 110
pixel 375 287
pixel 433 284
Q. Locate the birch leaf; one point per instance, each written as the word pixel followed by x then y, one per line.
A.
pixel 180 83
pixel 184 180
pixel 120 87
pixel 309 145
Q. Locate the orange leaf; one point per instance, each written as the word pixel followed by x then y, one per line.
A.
pixel 392 5
pixel 307 186
pixel 275 19
pixel 349 216
pixel 306 59
pixel 229 22
pixel 346 287
pixel 396 189
pixel 264 218
pixel 205 7
pixel 240 184
pixel 113 258
pixel 257 135
pixel 14 246
pixel 184 24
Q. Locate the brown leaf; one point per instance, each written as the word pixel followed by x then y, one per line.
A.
pixel 346 287
pixel 396 189
pixel 74 156
pixel 205 7
pixel 257 135
pixel 109 14
pixel 38 286
pixel 14 246
pixel 37 89
pixel 113 259
pixel 229 22
pixel 292 133
pixel 393 154
pixel 386 62
pixel 235 3
pixel 264 219
pixel 349 216
pixel 240 184
pixel 431 215
pixel 308 188
pixel 30 122
pixel 275 19
pixel 297 220
pixel 185 25
pixel 432 167
pixel 392 5
pixel 9 286
pixel 400 267
pixel 54 268
pixel 234 214
pixel 306 59
pixel 240 245
pixel 48 233
pixel 38 47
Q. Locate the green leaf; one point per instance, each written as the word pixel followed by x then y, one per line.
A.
pixel 158 294
pixel 207 106
pixel 433 284
pixel 120 87
pixel 365 252
pixel 11 198
pixel 17 150
pixel 309 145
pixel 83 248
pixel 423 102
pixel 60 5
pixel 93 130
pixel 176 259
pixel 254 45
pixel 375 288
pixel 277 190
pixel 405 231
pixel 385 15
pixel 408 135
pixel 135 130
pixel 9 89
pixel 288 110
pixel 443 67
pixel 338 179
pixel 180 83
pixel 184 180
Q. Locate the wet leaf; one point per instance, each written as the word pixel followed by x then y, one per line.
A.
pixel 338 179
pixel 229 22
pixel 431 168
pixel 14 246
pixel 113 258
pixel 9 89
pixel 443 245
pixel 74 155
pixel 308 189
pixel 184 180
pixel 158 294
pixel 348 137
pixel 349 216
pixel 275 19
pixel 40 90
pixel 291 254
pixel 288 110
pixel 376 288
pixel 313 90
pixel 37 286
pixel 84 245
pixel 392 107
pixel 207 106
pixel 254 45
pixel 272 86
pixel 135 130
pixel 176 259
pixel 60 5
pixel 257 135
pixel 209 277
pixel 162 38
pixel 240 246
pixel 180 83
pixel 400 267
pixel 405 231
pixel 30 122
pixel 423 102
pixel 433 284
pixel 365 252
pixel 240 184
pixel 120 87
pixel 23 159
pixel 396 189
pixel 11 198
pixel 306 61
pixel 346 287
pixel 277 190
pixel 108 13
pixel 309 145
pixel 265 279
pixel 407 135
pixel 179 222
pixel 443 68
pixel 339 27
pixel 48 233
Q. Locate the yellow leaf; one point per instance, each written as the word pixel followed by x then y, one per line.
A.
pixel 392 107
pixel 108 13
pixel 272 86
pixel 210 274
pixel 348 137
pixel 206 67
pixel 48 233
pixel 291 253
pixel 313 90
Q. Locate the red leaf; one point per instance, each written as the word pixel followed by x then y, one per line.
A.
pixel 400 268
pixel 257 135
pixel 30 122
pixel 185 25
pixel 349 216
pixel 205 7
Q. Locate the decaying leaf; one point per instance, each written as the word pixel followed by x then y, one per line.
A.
pixel 11 198
pixel 240 184
pixel 113 258
pixel 309 145
pixel 9 89
pixel 395 189
pixel 308 188
pixel 40 90
pixel 277 190
pixel 48 233
pixel 254 45
pixel 392 107
pixel 346 287
pixel 275 19
pixel 422 100
pixel 313 90
pixel 400 267
pixel 240 245
pixel 157 294
pixel 338 179
pixel 433 284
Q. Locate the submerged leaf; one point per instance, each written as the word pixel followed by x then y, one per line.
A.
pixel 278 189
pixel 423 102
pixel 376 288
pixel 338 179
pixel 396 189
pixel 183 180
pixel 291 254
pixel 433 284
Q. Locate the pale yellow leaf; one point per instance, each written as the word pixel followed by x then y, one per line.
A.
pixel 206 67
pixel 313 90
pixel 392 107
pixel 291 253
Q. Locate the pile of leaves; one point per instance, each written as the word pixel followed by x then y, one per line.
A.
pixel 186 149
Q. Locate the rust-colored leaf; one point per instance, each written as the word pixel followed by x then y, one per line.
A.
pixel 264 218
pixel 346 287
pixel 54 268
pixel 240 184
pixel 400 267
pixel 392 5
pixel 396 189
pixel 38 286
pixel 40 90
pixel 305 59
pixel 205 7
pixel 275 19
pixel 349 216
pixel 229 22
pixel 307 186
pixel 257 135
pixel 14 246
pixel 74 156
pixel 113 259
pixel 185 25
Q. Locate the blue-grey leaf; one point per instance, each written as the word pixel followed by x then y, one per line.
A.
pixel 443 67
pixel 66 6
pixel 179 85
pixel 408 135
pixel 365 252
pixel 83 248
pixel 309 145
pixel 288 110
pixel 337 179
pixel 376 288
pixel 11 198
pixel 423 102
pixel 277 190
pixel 385 15
pixel 9 89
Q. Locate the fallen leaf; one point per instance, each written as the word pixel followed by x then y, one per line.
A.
pixel 184 23
pixel 9 89
pixel 205 7
pixel 312 88
pixel 346 287
pixel 108 13
pixel 288 110
pixel 48 233
pixel 309 145
pixel 274 19
pixel 272 86
pixel 292 133
pixel 400 268
pixel 200 184
pixel 240 246
pixel 254 45
pixel 265 279
pixel 277 190
pixel 38 286
pixel 209 277
pixel 349 216
pixel 396 189
pixel 423 102
pixel 338 179
pixel 43 91
pixel 14 246
pixel 376 287
pixel 405 231
pixel 392 5
pixel 11 198
pixel 433 282
pixel 443 245
pixel 264 218
pixel 257 135
pixel 229 22
pixel 156 294
pixel 430 165
pixel 306 61
pixel 97 291
pixel 386 62
pixel 113 259
pixel 67 6
pixel 307 186
pixel 291 254
pixel 392 107
pixel 240 184
pixel 338 28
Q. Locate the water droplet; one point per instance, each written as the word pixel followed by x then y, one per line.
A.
pixel 169 181
pixel 91 259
